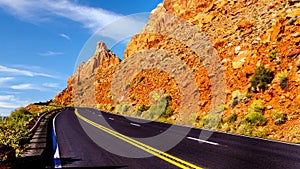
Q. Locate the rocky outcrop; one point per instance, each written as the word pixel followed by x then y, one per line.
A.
pixel 81 86
pixel 245 35
pixel 64 98
pixel 104 77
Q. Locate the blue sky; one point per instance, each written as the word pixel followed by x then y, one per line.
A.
pixel 40 41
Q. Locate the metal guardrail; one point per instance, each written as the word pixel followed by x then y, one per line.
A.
pixel 35 126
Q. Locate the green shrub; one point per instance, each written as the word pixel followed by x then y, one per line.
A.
pixel 161 109
pixel 158 109
pixel 100 106
pixel 254 118
pixel 14 130
pixel 259 132
pixel 221 108
pixel 211 121
pixel 245 129
pixel 169 112
pixel 143 108
pixel 109 107
pixel 278 117
pixel 283 79
pixel 273 53
pixel 123 108
pixel 193 119
pixel 250 130
pixel 237 94
pixel 261 78
pixel 232 118
pixel 228 127
pixel 258 106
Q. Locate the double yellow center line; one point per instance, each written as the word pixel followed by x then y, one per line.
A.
pixel 160 154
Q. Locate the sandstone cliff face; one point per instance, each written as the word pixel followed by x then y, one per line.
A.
pixel 81 86
pixel 104 77
pixel 64 98
pixel 245 35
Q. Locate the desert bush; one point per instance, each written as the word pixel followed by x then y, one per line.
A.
pixel 282 78
pixel 161 109
pixel 231 118
pixel 122 108
pixel 259 132
pixel 238 95
pixel 249 130
pixel 143 108
pixel 109 107
pixel 169 112
pixel 221 108
pixel 245 129
pixel 261 78
pixel 254 118
pixel 273 53
pixel 211 121
pixel 158 109
pixel 14 130
pixel 258 106
pixel 278 117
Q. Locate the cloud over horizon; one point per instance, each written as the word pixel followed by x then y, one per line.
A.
pixel 14 71
pixel 11 102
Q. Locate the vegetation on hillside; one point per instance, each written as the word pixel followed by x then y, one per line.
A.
pixel 14 130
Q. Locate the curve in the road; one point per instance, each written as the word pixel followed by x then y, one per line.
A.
pixel 165 156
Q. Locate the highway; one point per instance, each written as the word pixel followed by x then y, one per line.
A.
pixel 93 139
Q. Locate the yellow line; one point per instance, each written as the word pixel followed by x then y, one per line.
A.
pixel 167 157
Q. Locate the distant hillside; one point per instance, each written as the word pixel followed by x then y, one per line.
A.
pixel 243 55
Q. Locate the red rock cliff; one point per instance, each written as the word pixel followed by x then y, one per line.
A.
pixel 245 35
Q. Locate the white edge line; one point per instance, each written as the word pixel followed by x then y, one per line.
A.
pixel 203 141
pixel 134 124
pixel 56 154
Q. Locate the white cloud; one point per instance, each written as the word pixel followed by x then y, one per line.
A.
pixel 3 80
pixel 42 10
pixel 51 85
pixel 11 102
pixel 14 71
pixel 28 67
pixel 65 36
pixel 7 97
pixel 28 86
pixel 50 53
pixel 9 105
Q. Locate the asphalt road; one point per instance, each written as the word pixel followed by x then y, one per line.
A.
pixel 95 139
